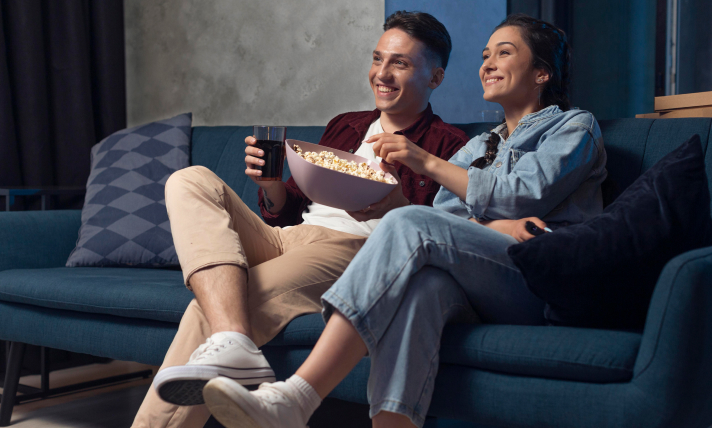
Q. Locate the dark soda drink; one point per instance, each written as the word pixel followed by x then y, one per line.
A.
pixel 270 139
pixel 274 160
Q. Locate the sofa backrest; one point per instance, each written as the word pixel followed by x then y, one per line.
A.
pixel 632 145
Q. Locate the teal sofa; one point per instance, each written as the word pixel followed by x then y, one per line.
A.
pixel 490 375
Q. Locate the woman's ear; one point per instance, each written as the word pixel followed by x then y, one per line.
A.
pixel 437 78
pixel 542 77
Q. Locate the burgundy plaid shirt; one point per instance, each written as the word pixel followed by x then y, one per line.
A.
pixel 346 131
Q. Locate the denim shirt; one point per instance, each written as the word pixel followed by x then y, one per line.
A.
pixel 551 167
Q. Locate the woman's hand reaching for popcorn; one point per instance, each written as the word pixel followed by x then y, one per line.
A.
pixel 397 148
pixel 395 199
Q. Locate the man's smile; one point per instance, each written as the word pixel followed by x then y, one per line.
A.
pixel 383 89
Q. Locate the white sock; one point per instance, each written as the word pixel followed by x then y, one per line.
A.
pixel 239 337
pixel 305 394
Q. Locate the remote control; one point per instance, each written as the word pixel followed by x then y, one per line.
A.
pixel 533 229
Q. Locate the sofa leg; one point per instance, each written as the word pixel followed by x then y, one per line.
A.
pixel 12 379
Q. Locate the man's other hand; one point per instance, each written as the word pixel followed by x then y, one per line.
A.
pixel 395 199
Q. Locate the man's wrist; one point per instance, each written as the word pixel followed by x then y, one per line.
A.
pixel 274 196
pixel 270 185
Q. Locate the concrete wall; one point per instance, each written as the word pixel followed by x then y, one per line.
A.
pixel 470 23
pixel 285 62
pixel 277 62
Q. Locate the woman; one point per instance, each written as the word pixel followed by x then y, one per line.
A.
pixel 424 267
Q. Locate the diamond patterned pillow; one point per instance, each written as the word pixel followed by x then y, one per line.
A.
pixel 124 219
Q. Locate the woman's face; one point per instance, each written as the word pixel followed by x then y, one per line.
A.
pixel 507 75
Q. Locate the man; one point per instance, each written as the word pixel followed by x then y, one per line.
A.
pixel 251 277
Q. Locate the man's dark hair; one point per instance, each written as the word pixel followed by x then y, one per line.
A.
pixel 426 29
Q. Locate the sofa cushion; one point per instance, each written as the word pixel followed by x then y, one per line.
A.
pixel 601 273
pixel 585 355
pixel 126 339
pixel 124 219
pixel 155 294
pixel 302 331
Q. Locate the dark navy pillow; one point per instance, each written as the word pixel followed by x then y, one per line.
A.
pixel 601 273
pixel 124 219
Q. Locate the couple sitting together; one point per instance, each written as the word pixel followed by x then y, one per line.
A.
pixel 387 278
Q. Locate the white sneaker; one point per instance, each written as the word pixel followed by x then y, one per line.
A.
pixel 221 355
pixel 270 406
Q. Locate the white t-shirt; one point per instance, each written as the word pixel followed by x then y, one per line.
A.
pixel 336 219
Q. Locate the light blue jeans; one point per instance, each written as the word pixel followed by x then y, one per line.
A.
pixel 420 269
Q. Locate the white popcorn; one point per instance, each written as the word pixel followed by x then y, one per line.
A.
pixel 330 160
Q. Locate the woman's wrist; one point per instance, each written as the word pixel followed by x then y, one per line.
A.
pixel 430 166
pixel 502 226
pixel 448 175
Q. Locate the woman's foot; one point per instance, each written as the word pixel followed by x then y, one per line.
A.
pixel 274 405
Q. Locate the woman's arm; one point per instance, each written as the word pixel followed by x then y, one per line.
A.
pixel 397 148
pixel 448 175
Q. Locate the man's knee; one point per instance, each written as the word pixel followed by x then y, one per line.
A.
pixel 189 179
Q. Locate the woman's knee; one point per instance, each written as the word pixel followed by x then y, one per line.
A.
pixel 410 217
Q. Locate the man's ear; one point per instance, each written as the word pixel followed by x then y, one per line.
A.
pixel 437 77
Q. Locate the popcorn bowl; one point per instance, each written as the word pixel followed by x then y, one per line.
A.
pixel 333 188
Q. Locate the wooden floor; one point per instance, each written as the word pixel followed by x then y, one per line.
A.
pixel 115 406
pixel 108 407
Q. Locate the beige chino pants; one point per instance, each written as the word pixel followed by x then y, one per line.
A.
pixel 288 271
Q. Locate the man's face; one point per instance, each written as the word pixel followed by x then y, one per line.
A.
pixel 402 75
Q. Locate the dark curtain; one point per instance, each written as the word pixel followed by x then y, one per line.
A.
pixel 62 87
pixel 694 44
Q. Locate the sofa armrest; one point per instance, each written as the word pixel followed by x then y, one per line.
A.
pixel 37 239
pixel 674 365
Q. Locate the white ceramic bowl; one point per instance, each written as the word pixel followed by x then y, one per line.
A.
pixel 333 188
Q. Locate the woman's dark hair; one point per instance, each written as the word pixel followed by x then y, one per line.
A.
pixel 490 152
pixel 551 53
pixel 426 29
